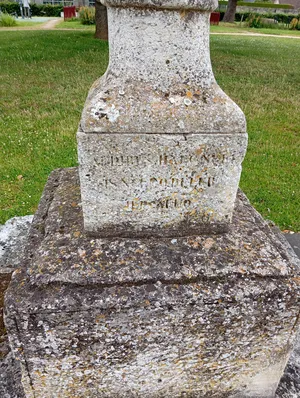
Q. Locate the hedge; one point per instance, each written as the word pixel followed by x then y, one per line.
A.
pixel 265 5
pixel 259 5
pixel 37 10
pixel 281 18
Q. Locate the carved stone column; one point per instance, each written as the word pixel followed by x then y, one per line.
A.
pixel 160 144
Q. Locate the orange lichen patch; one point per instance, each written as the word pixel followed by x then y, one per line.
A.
pixel 208 243
pixel 189 94
pixel 199 150
pixel 220 100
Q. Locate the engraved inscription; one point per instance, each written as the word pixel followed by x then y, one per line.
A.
pixel 158 181
pixel 200 154
pixel 186 183
pixel 164 159
pixel 122 160
pixel 165 203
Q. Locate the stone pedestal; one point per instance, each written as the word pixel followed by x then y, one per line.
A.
pixel 199 316
pixel 160 145
pixel 151 284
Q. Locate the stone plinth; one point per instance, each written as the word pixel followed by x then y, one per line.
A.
pixel 160 144
pixel 198 316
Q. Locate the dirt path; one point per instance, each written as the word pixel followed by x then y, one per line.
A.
pixel 49 25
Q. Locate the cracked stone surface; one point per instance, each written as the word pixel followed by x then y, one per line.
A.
pixel 87 307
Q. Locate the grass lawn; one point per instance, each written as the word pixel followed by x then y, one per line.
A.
pixel 25 23
pixel 72 24
pixel 21 25
pixel 238 28
pixel 45 76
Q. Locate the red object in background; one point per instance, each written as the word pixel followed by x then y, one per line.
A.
pixel 69 12
pixel 214 18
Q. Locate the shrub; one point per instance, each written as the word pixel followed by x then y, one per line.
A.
pixel 73 19
pixel 7 20
pixel 10 8
pixel 254 21
pixel 46 10
pixel 281 18
pixel 37 10
pixel 295 24
pixel 265 5
pixel 87 15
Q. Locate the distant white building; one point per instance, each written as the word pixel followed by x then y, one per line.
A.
pixel 295 3
pixel 77 3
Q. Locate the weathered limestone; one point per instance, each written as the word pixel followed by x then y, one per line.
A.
pixel 151 284
pixel 13 236
pixel 203 316
pixel 167 185
pixel 160 144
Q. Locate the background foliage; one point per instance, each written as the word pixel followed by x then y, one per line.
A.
pixel 37 10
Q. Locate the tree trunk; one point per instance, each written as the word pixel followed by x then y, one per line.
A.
pixel 101 21
pixel 230 11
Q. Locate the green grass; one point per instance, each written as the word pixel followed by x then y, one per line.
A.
pixel 240 28
pixel 262 75
pixel 45 77
pixel 75 25
pixel 21 23
pixel 44 81
pixel 7 20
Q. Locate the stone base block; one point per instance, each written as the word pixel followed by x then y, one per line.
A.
pixel 199 316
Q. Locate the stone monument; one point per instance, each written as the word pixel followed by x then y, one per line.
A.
pixel 160 144
pixel 153 276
